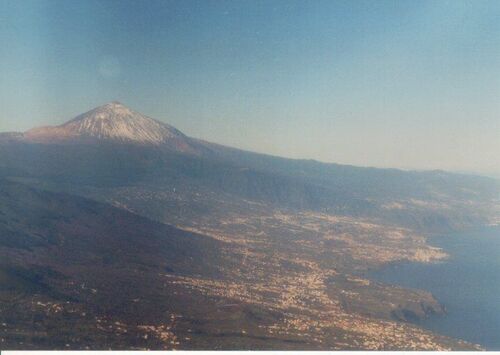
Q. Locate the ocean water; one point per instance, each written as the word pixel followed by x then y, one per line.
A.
pixel 468 285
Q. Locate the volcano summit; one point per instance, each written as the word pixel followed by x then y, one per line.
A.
pixel 112 121
pixel 118 231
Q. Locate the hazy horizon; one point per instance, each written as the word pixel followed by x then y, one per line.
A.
pixel 412 85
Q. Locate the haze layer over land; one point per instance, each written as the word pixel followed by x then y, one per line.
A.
pixel 231 206
pixel 119 231
pixel 370 83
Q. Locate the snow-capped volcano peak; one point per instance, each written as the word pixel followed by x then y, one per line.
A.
pixel 112 121
pixel 116 121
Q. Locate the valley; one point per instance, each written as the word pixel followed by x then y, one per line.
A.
pixel 113 241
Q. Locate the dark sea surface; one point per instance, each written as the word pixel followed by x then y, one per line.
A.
pixel 468 285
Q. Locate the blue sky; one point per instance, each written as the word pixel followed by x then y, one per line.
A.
pixel 411 84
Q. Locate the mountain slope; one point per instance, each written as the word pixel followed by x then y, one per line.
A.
pixel 112 122
pixel 115 146
pixel 278 244
pixel 75 273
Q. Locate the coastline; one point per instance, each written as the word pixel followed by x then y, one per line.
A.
pixel 466 248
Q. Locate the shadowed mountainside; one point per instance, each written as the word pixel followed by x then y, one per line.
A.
pixel 139 237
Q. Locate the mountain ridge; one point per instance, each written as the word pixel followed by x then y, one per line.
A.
pixel 112 122
pixel 401 196
pixel 135 234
